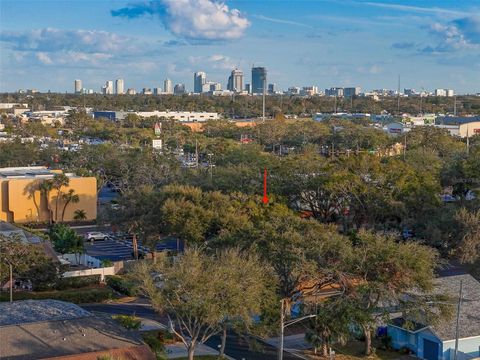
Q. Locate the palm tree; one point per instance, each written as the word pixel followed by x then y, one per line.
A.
pixel 45 189
pixel 59 181
pixel 80 214
pixel 68 198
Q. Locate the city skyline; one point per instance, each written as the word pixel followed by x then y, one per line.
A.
pixel 322 43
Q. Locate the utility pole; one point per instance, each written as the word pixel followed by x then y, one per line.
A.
pixel 11 281
pixel 455 105
pixel 459 305
pixel 282 329
pixel 398 95
pixel 196 153
pixel 263 100
pixel 468 142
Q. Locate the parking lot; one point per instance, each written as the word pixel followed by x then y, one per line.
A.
pixel 119 248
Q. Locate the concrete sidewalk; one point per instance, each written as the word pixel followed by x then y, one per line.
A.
pixel 178 350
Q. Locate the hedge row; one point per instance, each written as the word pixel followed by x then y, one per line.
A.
pixel 121 284
pixel 77 296
pixel 76 282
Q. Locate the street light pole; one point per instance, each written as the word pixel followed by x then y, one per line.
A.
pixel 284 324
pixel 459 305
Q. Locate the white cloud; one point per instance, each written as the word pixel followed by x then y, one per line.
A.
pixel 44 58
pixel 192 19
pixel 50 39
pixel 216 62
pixel 281 21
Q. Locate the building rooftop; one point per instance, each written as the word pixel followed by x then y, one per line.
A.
pixel 469 319
pixel 42 329
pixel 29 172
pixel 30 311
pixel 469 324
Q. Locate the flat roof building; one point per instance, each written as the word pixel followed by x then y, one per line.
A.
pixel 23 201
pixel 51 329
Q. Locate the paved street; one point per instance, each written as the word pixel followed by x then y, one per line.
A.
pixel 238 347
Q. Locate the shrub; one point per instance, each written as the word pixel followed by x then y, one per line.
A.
pixel 76 282
pixel 155 344
pixel 106 263
pixel 77 296
pixel 128 321
pixel 121 284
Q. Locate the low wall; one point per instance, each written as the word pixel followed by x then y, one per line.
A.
pixel 100 271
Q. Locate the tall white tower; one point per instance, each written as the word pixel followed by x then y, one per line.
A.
pixel 119 87
pixel 109 87
pixel 78 86
pixel 167 86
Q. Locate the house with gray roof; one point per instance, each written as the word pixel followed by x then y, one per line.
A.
pixel 437 342
pixel 51 329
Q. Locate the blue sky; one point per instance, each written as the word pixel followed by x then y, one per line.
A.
pixel 47 44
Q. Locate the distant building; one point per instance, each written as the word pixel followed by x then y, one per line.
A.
pixel 235 81
pixel 351 91
pixel 248 88
pixel 146 91
pixel 167 86
pixel 182 116
pixel 199 79
pixel 119 87
pixel 214 86
pixel 131 91
pixel 157 91
pixel 334 91
pixel 24 202
pixel 410 92
pixel 444 92
pixel 309 91
pixel 109 87
pixel 78 86
pixel 293 90
pixel 52 329
pixel 259 79
pixel 179 89
pixel 272 88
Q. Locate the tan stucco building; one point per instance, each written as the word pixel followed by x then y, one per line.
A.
pixel 22 201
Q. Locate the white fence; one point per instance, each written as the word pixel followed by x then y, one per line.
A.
pixel 82 259
pixel 100 271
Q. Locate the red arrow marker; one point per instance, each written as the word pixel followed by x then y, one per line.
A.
pixel 265 198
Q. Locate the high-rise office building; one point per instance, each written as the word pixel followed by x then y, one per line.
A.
pixel 334 91
pixel 235 81
pixel 119 87
pixel 351 91
pixel 167 86
pixel 179 89
pixel 272 88
pixel 108 88
pixel 259 79
pixel 78 86
pixel 199 79
pixel 248 88
pixel 157 91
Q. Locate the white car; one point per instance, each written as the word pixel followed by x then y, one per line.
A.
pixel 96 235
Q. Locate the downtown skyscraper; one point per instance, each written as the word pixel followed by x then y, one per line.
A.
pixel 259 79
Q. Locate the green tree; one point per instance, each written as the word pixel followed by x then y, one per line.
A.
pixel 79 214
pixel 69 197
pixel 385 271
pixel 196 296
pixel 65 240
pixel 57 183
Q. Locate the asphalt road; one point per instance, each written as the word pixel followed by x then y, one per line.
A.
pixel 238 347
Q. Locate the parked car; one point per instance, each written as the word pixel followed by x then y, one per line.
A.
pixel 96 235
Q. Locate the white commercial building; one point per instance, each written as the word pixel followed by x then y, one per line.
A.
pixel 78 86
pixel 119 87
pixel 185 116
pixel 167 86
